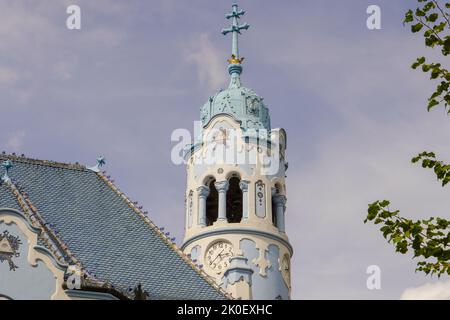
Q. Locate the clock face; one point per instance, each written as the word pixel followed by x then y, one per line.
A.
pixel 218 256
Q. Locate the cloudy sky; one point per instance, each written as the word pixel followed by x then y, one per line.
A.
pixel 354 111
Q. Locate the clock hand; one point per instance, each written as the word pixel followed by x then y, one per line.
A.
pixel 216 257
pixel 228 254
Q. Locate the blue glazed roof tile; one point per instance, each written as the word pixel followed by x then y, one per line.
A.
pixel 7 199
pixel 108 236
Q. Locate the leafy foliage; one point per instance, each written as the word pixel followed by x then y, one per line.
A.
pixel 428 239
pixel 432 18
pixel 441 169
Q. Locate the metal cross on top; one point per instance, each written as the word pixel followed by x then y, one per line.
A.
pixel 236 30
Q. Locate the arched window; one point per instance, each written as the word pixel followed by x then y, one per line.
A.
pixel 212 203
pixel 234 201
pixel 276 191
pixel 274 213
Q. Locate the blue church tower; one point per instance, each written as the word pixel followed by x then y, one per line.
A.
pixel 236 191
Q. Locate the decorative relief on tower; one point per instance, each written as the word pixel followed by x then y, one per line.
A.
pixel 221 136
pixel 235 82
pixel 195 253
pixel 190 205
pixel 9 249
pixel 260 199
pixel 225 103
pixel 253 105
pixel 285 268
pixel 265 117
pixel 204 115
pixel 252 124
pixel 262 262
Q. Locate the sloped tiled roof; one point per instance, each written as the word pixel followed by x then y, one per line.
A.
pixel 105 232
pixel 7 198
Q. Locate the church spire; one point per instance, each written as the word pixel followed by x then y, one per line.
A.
pixel 235 63
pixel 235 191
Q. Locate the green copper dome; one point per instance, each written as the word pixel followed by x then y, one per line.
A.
pixel 243 104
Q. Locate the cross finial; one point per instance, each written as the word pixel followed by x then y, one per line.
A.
pixel 235 29
pixel 100 162
pixel 6 165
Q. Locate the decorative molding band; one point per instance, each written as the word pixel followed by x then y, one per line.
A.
pixel 89 295
pixel 35 252
pixel 18 214
pixel 56 263
pixel 247 231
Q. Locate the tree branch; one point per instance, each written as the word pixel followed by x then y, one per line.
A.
pixel 429 28
pixel 443 13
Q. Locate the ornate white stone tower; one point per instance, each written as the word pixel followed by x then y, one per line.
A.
pixel 236 192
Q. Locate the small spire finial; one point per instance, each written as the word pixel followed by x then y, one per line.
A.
pixel 6 165
pixel 235 29
pixel 100 162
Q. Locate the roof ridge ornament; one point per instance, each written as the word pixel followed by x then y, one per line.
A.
pixel 235 63
pixel 7 165
pixel 100 162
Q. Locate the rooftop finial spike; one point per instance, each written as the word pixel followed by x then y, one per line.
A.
pixel 100 162
pixel 235 61
pixel 6 165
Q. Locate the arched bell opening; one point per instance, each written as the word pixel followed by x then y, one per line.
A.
pixel 276 192
pixel 234 200
pixel 212 203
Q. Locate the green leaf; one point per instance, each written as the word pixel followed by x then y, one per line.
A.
pixel 419 13
pixel 431 41
pixel 418 62
pixel 416 27
pixel 409 17
pixel 435 73
pixel 432 103
pixel 433 17
pixel 426 67
pixel 417 242
pixel 384 203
